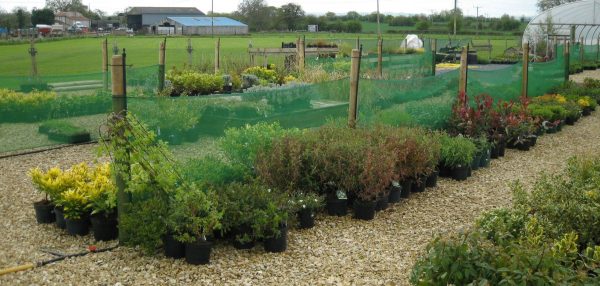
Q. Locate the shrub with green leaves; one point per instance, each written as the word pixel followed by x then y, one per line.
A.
pixel 548 237
pixel 254 206
pixel 263 74
pixel 193 214
pixel 456 151
pixel 187 82
pixel 241 145
pixel 212 171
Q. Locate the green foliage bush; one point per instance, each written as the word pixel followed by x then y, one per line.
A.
pixel 252 205
pixel 264 74
pixel 456 151
pixel 549 237
pixel 187 82
pixel 241 145
pixel 212 171
pixel 193 214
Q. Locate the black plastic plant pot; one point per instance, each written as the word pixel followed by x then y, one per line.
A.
pixel 476 161
pixel 533 141
pixel 60 217
pixel 364 210
pixel 495 152
pixel 418 185
pixel 382 203
pixel 445 171
pixel 406 187
pixel 44 212
pixel 241 231
pixel 460 173
pixel 523 145
pixel 502 150
pixel 80 226
pixel 173 248
pixel 104 226
pixel 484 160
pixel 337 207
pixel 432 180
pixel 570 120
pixel 586 111
pixel 306 218
pixel 198 252
pixel 277 243
pixel 395 193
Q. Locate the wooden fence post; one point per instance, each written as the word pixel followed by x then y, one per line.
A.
pixel 464 70
pixel 33 52
pixel 190 51
pixel 105 63
pixel 354 78
pixel 161 64
pixel 218 55
pixel 567 53
pixel 525 82
pixel 433 55
pixel 119 102
pixel 301 53
pixel 380 58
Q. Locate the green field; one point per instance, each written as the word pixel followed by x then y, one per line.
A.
pixel 79 56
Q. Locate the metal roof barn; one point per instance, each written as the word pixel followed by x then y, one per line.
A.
pixel 205 26
pixel 139 18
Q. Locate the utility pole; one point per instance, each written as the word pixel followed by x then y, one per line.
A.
pixel 212 18
pixel 378 25
pixel 477 28
pixel 455 3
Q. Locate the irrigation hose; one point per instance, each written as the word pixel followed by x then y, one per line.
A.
pixel 27 266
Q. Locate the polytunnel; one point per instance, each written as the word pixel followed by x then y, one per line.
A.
pixel 575 21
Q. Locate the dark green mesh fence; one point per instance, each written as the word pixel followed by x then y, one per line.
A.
pixel 406 96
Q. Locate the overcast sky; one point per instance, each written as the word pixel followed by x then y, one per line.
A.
pixel 492 8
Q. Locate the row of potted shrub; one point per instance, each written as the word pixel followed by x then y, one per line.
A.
pixel 76 198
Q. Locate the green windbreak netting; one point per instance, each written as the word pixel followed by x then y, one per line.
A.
pixel 501 83
pixel 192 124
pixel 546 75
pixel 74 106
pixel 574 54
pixel 425 101
pixel 591 53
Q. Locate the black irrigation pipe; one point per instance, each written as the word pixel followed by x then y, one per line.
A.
pixel 59 257
pixel 46 149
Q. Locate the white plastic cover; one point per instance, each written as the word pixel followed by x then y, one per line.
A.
pixel 412 42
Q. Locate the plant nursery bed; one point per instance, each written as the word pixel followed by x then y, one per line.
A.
pixel 338 250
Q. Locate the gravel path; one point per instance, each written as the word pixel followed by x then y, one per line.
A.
pixel 338 251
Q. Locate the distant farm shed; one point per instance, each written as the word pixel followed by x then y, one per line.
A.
pixel 204 26
pixel 139 18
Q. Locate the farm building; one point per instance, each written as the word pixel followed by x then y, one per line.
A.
pixel 69 19
pixel 144 17
pixel 202 26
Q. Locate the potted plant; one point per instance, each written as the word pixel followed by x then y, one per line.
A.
pixel 457 155
pixel 193 217
pixel 240 204
pixel 103 203
pixel 305 206
pixel 273 228
pixel 76 206
pixel 49 184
